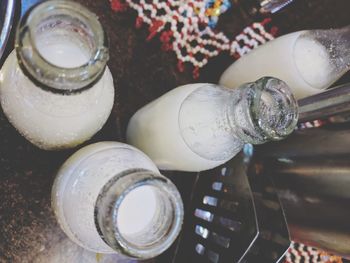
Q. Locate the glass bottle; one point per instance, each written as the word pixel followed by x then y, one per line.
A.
pixel 55 87
pixel 200 126
pixel 308 61
pixel 109 197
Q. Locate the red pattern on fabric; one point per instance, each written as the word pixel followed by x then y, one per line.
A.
pixel 184 28
pixel 298 253
pixel 154 29
pixel 119 5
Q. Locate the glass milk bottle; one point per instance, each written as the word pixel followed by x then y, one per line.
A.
pixel 109 197
pixel 308 61
pixel 200 126
pixel 55 87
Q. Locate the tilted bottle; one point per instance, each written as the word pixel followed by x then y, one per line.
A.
pixel 200 126
pixel 55 87
pixel 109 197
pixel 308 61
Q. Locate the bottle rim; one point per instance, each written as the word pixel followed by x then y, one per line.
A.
pixel 48 75
pixel 110 200
pixel 286 102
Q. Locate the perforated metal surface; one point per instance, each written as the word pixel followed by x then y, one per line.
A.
pixel 233 218
pixel 273 240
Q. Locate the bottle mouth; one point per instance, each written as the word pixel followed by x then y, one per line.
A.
pixel 273 108
pixel 62 26
pixel 141 216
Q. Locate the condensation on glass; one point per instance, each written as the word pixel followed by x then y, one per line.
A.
pixel 55 87
pixel 110 198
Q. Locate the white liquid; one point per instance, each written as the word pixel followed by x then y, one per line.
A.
pixel 79 183
pixel 65 54
pixel 53 121
pixel 156 131
pixel 304 65
pixel 137 210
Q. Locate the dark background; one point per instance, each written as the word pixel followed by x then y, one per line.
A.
pixel 141 73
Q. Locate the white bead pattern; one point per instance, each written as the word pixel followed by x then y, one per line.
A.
pixel 189 33
pixel 298 253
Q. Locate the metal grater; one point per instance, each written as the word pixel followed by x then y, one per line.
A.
pixel 233 218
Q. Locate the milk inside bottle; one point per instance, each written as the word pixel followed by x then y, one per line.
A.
pixel 308 61
pixel 55 88
pixel 200 126
pixel 109 197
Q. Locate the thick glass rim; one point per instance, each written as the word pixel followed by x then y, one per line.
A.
pixel 290 121
pixel 52 77
pixel 121 186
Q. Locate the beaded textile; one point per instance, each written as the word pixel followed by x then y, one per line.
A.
pixel 299 253
pixel 187 27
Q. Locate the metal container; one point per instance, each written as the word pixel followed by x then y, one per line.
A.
pixel 311 171
pixel 234 216
pixel 7 14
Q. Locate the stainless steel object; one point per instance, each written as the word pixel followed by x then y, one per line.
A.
pixel 234 217
pixel 332 102
pixel 254 7
pixel 7 12
pixel 311 171
pixel 273 6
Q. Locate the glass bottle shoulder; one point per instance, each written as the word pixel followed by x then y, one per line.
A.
pixel 112 156
pixel 80 181
pixel 205 124
pixel 17 89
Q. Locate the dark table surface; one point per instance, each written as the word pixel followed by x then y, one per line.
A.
pixel 28 230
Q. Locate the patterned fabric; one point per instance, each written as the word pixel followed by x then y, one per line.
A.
pixel 187 27
pixel 299 253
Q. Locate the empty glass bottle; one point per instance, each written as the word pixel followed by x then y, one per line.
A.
pixel 55 87
pixel 200 126
pixel 308 61
pixel 109 197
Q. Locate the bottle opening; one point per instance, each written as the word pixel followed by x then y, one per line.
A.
pixel 274 108
pixel 139 214
pixel 143 216
pixel 61 46
pixel 64 42
pixel 137 211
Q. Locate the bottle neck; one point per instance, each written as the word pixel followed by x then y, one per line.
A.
pixel 265 110
pixel 139 214
pixel 61 47
pixel 322 56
